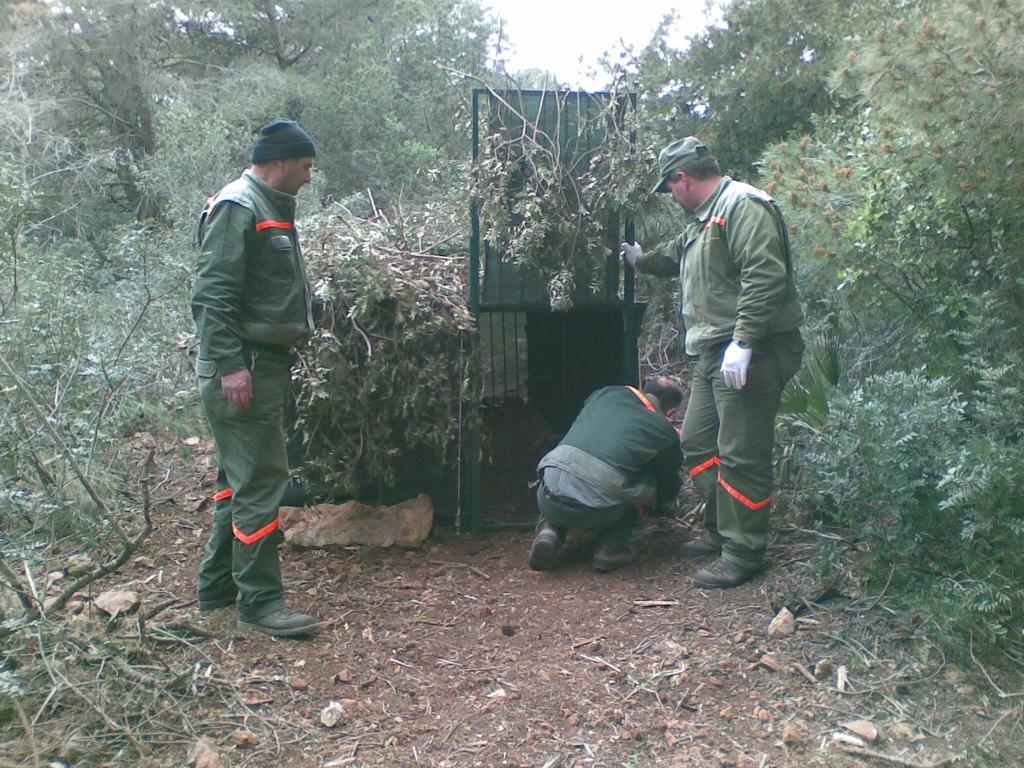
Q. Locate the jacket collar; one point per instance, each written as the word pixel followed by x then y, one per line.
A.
pixel 704 209
pixel 281 201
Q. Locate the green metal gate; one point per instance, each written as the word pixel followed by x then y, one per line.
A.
pixel 536 364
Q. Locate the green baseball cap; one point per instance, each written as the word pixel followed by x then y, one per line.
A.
pixel 675 156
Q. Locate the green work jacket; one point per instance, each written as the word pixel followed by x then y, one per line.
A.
pixel 251 290
pixel 622 449
pixel 735 269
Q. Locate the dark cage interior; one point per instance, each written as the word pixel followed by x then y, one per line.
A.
pixel 538 368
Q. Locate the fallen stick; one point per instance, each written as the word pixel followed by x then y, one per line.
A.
pixel 30 735
pixel 805 672
pixel 894 759
pixel 467 566
pixel 999 691
pixel 655 603
pixel 601 662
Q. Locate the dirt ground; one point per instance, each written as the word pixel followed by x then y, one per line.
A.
pixel 456 654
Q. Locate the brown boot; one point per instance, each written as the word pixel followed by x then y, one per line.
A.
pixel 284 622
pixel 609 556
pixel 544 548
pixel 705 545
pixel 723 574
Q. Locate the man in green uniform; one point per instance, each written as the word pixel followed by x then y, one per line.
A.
pixel 251 305
pixel 620 457
pixel 741 317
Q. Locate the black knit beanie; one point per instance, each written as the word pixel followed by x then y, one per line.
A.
pixel 280 140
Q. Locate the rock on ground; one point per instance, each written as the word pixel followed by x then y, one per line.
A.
pixel 405 524
pixel 783 624
pixel 117 601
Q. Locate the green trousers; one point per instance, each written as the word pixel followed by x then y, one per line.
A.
pixel 241 559
pixel 615 524
pixel 728 437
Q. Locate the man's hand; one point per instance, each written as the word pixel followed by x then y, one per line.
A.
pixel 630 253
pixel 735 362
pixel 237 388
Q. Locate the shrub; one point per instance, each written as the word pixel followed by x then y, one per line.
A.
pixel 929 482
pixel 88 358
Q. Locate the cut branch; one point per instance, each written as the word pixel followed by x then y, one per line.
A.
pixel 127 550
pixel 98 500
pixel 999 691
pixel 11 580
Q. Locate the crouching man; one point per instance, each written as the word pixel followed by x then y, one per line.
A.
pixel 621 457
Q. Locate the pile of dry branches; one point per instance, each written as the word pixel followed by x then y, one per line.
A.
pixel 387 374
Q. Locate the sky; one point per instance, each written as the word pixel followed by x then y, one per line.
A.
pixel 554 35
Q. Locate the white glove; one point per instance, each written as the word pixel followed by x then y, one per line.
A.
pixel 735 362
pixel 630 253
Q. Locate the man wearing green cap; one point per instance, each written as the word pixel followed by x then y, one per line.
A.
pixel 741 317
pixel 251 304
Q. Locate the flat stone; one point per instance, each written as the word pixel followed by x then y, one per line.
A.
pixel 863 728
pixel 405 524
pixel 77 565
pixel 783 624
pixel 204 754
pixel 117 601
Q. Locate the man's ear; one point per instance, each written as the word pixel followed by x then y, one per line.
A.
pixel 670 414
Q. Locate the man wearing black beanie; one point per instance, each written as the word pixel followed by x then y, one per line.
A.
pixel 280 140
pixel 251 305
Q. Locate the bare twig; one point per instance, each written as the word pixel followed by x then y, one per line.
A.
pixel 29 733
pixel 655 603
pixel 10 579
pixel 36 597
pixel 999 691
pixel 59 679
pixel 98 500
pixel 600 662
pixel 159 608
pixel 426 254
pixel 127 550
pixel 1006 714
pixel 805 672
pixel 470 568
pixel 893 679
pixel 893 759
pixel 163 633
pixel 878 599
pixel 45 476
pixel 366 339
pixel 112 386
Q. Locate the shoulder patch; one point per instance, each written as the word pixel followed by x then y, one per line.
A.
pixel 761 197
pixel 212 204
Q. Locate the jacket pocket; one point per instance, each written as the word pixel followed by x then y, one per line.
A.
pixel 206 369
pixel 273 268
pixel 215 403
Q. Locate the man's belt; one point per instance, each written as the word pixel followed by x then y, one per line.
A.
pixel 277 354
pixel 563 500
